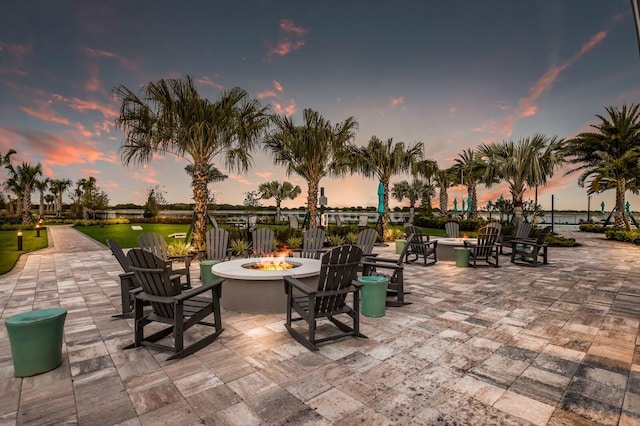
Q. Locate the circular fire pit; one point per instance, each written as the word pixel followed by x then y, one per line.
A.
pixel 261 291
pixel 446 247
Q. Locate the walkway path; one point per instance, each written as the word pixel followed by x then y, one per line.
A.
pixel 515 345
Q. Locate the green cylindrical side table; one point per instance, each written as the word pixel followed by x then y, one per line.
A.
pixel 206 275
pixel 36 340
pixel 462 257
pixel 400 243
pixel 374 295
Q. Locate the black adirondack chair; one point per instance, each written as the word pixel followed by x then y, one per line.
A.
pixel 218 244
pixel 393 269
pixel 170 305
pixel 452 229
pixel 421 247
pixel 155 244
pixel 366 240
pixel 485 247
pixel 262 242
pixel 328 299
pixel 529 251
pixel 127 280
pixel 522 233
pixel 312 243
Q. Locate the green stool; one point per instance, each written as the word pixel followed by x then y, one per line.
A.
pixel 374 295
pixel 400 243
pixel 462 257
pixel 206 275
pixel 36 340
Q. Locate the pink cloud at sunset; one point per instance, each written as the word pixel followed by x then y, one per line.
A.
pixel 264 175
pixel 396 102
pixel 55 150
pixel 45 112
pixel 291 39
pixel 527 106
pixel 209 82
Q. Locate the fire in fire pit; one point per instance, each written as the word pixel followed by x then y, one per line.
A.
pixel 271 265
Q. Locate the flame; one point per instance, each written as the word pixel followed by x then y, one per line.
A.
pixel 465 236
pixel 274 261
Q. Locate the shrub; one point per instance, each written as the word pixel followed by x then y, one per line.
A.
pixel 294 242
pixel 589 227
pixel 616 234
pixel 239 246
pixel 392 234
pixel 336 240
pixel 178 248
pixel 351 238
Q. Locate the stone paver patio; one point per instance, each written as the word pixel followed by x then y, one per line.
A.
pixel 555 345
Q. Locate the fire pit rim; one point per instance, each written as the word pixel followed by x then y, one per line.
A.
pixel 232 269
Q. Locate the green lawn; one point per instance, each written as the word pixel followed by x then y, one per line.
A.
pixel 9 253
pixel 126 236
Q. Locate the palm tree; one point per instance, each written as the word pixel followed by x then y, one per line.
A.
pixel 385 160
pixel 313 150
pixel 527 163
pixel 279 192
pixel 414 191
pixel 427 169
pixel 49 198
pixel 444 180
pixel 57 188
pixel 41 185
pixel 608 157
pixel 170 117
pixel 23 179
pixel 471 167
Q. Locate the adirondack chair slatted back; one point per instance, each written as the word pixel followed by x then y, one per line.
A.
pixel 523 231
pixel 217 243
pixel 452 229
pixel 339 220
pixel 252 223
pixel 366 240
pixel 154 243
pixel 119 255
pixel 496 225
pixel 312 242
pixel 363 221
pixel 544 234
pixel 487 237
pixel 262 241
pixel 415 244
pixel 339 268
pixel 154 276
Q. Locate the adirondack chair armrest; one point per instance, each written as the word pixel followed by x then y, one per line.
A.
pixel 345 290
pixel 199 290
pixel 141 295
pixel 298 285
pixel 385 264
pixel 186 259
pixel 378 259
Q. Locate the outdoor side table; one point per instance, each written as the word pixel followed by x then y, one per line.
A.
pixel 36 340
pixel 206 274
pixel 374 295
pixel 462 257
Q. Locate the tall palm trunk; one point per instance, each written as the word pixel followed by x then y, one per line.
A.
pixel 444 201
pixel 621 220
pixel 312 202
pixel 26 205
pixel 385 202
pixel 200 195
pixel 412 209
pixel 41 206
pixel 517 207
pixel 472 192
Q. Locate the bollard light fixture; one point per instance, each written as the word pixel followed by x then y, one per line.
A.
pixel 20 240
pixel 37 230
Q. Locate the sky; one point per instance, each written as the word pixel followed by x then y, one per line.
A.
pixel 450 74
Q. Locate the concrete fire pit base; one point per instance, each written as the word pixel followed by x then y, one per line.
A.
pixel 261 292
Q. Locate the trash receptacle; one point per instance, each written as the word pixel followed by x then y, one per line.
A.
pixel 374 295
pixel 36 340
pixel 206 275
pixel 462 257
pixel 400 243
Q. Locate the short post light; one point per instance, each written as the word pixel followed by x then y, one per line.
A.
pixel 38 230
pixel 20 240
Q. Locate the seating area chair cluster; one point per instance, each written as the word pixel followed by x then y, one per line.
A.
pixel 152 290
